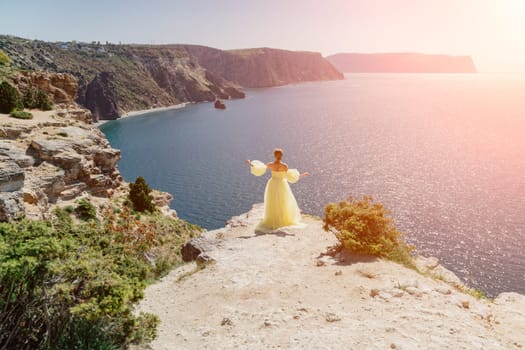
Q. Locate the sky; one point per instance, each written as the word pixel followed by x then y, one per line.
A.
pixel 491 31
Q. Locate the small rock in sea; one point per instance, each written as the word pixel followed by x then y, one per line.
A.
pixel 393 346
pixel 267 323
pixel 374 292
pixel 320 263
pixel 465 304
pixel 338 273
pixel 331 317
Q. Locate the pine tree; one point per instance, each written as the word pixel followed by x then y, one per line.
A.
pixel 139 194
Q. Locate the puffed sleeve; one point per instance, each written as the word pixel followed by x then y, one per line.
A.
pixel 292 175
pixel 258 168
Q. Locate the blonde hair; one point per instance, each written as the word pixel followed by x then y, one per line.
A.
pixel 278 153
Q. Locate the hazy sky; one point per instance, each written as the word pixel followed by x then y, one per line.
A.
pixel 491 31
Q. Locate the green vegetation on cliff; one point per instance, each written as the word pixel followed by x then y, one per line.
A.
pixel 9 98
pixel 35 98
pixel 73 286
pixel 366 227
pixel 4 59
pixel 21 115
pixel 140 195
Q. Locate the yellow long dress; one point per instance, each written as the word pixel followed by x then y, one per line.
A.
pixel 280 206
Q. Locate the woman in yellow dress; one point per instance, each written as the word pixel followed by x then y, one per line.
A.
pixel 280 206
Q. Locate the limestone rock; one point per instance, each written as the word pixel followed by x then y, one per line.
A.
pixel 13 132
pixel 161 199
pixel 431 266
pixel 196 247
pixel 11 206
pixel 11 176
pixel 56 158
pixel 18 155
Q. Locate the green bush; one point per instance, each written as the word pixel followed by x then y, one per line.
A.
pixel 140 197
pixel 4 59
pixel 42 101
pixel 68 286
pixel 85 210
pixel 366 227
pixel 9 98
pixel 37 99
pixel 21 115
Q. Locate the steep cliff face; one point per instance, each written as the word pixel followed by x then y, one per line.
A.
pixel 114 79
pixel 264 67
pixel 401 63
pixel 100 96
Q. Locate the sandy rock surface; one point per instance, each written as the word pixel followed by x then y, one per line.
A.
pixel 280 291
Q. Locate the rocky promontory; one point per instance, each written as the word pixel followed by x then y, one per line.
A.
pixel 264 67
pixel 290 290
pixel 401 63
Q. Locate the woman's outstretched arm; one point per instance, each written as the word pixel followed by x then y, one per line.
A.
pixel 249 162
pixel 304 174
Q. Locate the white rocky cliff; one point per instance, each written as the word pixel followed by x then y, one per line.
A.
pixel 285 291
pixel 57 157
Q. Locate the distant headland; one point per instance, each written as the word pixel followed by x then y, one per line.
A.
pixel 114 79
pixel 401 63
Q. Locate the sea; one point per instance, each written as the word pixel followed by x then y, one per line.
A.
pixel 444 152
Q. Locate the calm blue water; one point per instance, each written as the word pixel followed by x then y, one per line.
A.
pixel 445 152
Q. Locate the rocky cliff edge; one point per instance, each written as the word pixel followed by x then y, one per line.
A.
pixel 58 156
pixel 287 290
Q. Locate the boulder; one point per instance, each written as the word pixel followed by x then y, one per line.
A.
pixel 11 206
pixel 47 179
pixel 46 149
pixel 106 158
pixel 16 154
pixel 192 249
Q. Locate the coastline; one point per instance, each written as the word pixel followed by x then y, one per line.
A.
pixel 141 112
